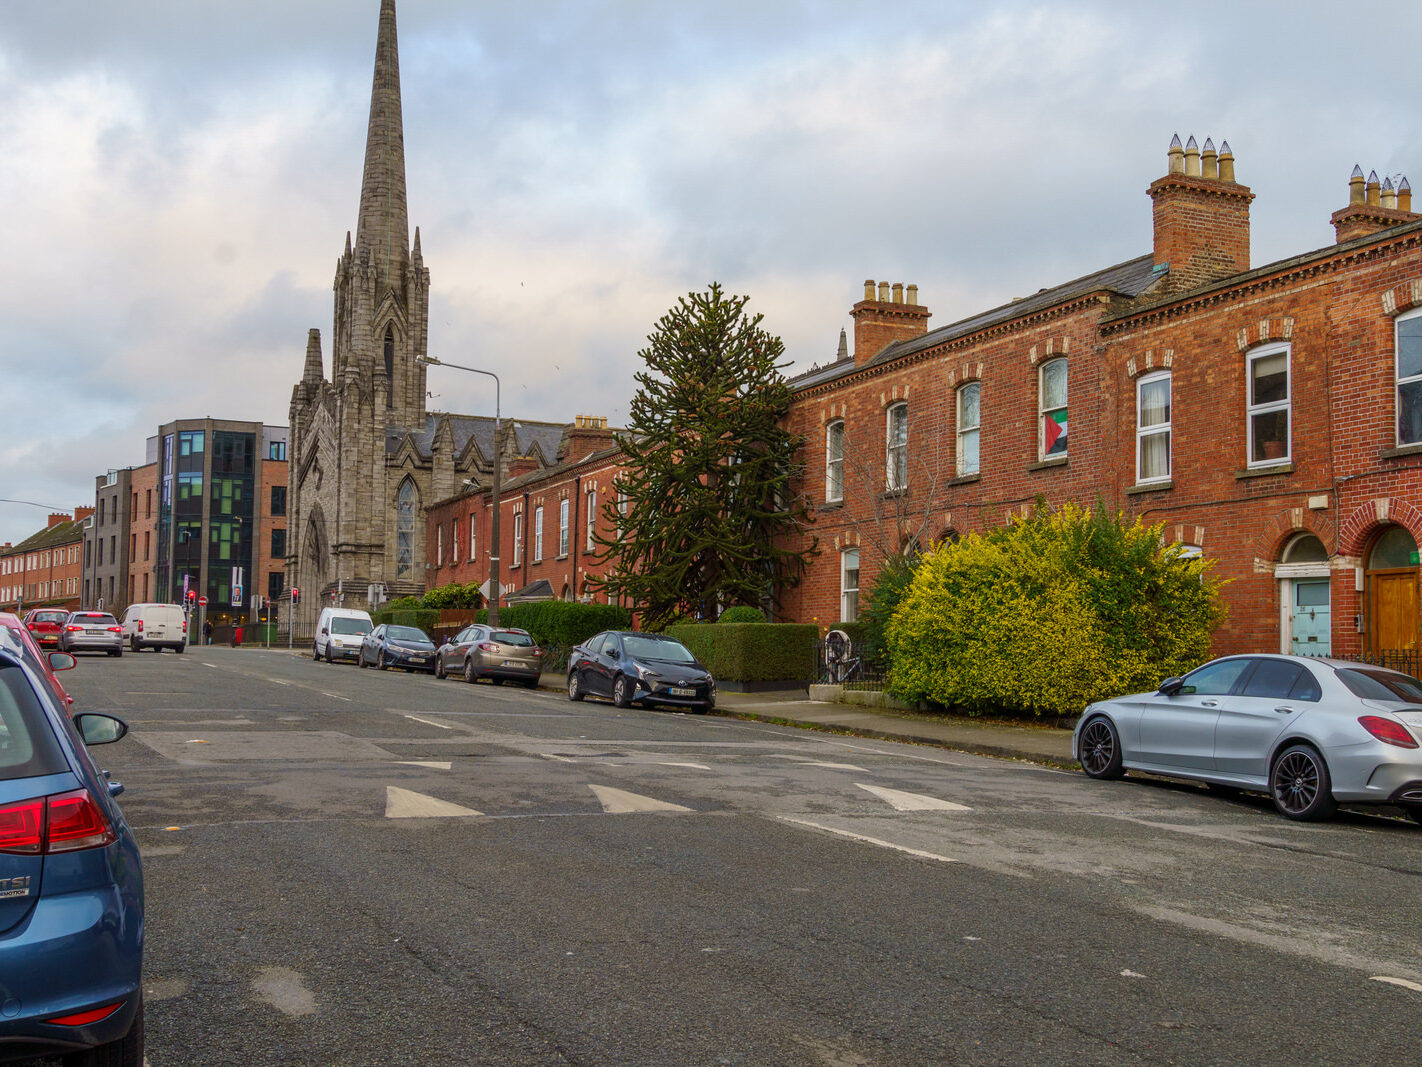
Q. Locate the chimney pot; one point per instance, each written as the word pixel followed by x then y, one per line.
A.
pixel 1389 198
pixel 912 295
pixel 1176 156
pixel 1355 185
pixel 884 292
pixel 1209 163
pixel 1374 190
pixel 898 292
pixel 868 288
pixel 1404 195
pixel 1192 158
pixel 1226 162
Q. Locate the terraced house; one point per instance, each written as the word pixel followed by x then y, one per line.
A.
pixel 1270 417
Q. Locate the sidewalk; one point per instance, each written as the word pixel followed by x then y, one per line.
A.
pixel 1036 744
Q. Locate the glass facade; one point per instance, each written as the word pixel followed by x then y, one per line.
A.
pixel 231 518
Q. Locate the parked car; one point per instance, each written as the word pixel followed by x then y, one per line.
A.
pixel 482 651
pixel 397 646
pixel 1312 733
pixel 91 631
pixel 71 883
pixel 339 632
pixel 38 659
pixel 635 668
pixel 155 626
pixel 46 624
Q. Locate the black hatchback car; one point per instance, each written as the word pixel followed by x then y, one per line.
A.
pixel 635 668
pixel 397 646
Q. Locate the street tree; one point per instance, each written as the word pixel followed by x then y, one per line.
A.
pixel 704 511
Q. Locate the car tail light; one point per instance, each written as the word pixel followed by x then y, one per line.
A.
pixel 73 629
pixel 488 646
pixel 538 651
pixel 84 1018
pixel 140 625
pixel 115 629
pixel 1388 731
pixel 185 626
pixel 65 822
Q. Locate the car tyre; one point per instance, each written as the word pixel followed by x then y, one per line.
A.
pixel 1300 784
pixel 470 675
pixel 315 652
pixel 1101 749
pixel 133 644
pixel 530 683
pixel 1414 812
pixel 380 663
pixel 439 671
pixel 117 652
pixel 575 686
pixel 622 691
pixel 330 657
pixel 178 649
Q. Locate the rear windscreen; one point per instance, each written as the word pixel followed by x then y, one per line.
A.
pixel 27 746
pixel 511 637
pixel 51 616
pixel 1372 684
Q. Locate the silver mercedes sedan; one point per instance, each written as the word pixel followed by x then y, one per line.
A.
pixel 1312 733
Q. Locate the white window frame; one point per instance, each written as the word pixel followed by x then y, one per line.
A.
pixel 849 594
pixel 538 534
pixel 562 527
pixel 473 540
pixel 964 432
pixel 896 454
pixel 1043 409
pixel 1252 409
pixel 834 461
pixel 1397 373
pixel 591 522
pixel 1155 429
pixel 517 539
pixel 439 542
pixel 454 548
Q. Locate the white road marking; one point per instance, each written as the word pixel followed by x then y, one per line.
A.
pixel 428 722
pixel 335 696
pixel 802 761
pixel 621 802
pixel 438 765
pixel 275 682
pixel 283 989
pixel 901 801
pixel 407 804
pixel 560 759
pixel 1128 973
pixel 693 766
pixel 1403 982
pixel 867 840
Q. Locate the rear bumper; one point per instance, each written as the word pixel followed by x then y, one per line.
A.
pixel 73 953
pixel 516 674
pixel 84 643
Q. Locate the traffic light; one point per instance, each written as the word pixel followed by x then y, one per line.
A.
pixel 295 595
pixel 192 596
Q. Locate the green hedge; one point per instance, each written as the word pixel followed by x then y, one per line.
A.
pixel 752 651
pixel 742 613
pixel 558 625
pixel 425 619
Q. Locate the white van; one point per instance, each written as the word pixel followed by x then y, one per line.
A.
pixel 156 626
pixel 339 632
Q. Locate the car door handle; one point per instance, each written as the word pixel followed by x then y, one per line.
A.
pixel 1209 703
pixel 1284 709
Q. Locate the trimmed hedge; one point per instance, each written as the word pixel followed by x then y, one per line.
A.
pixel 752 651
pixel 558 625
pixel 425 619
pixel 742 613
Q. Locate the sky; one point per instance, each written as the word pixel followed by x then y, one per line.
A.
pixel 177 178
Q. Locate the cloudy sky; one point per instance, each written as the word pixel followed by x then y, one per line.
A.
pixel 178 176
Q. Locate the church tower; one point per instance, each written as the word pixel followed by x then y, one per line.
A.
pixel 356 515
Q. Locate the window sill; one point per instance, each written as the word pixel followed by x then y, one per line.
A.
pixel 1401 450
pixel 965 479
pixel 1264 472
pixel 831 505
pixel 1048 464
pixel 1151 487
pixel 894 494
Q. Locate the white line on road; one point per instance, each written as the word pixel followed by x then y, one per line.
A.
pixel 428 722
pixel 407 804
pixel 333 696
pixel 1397 981
pixel 867 840
pixel 560 759
pixel 437 765
pixel 901 801
pixel 621 802
pixel 692 766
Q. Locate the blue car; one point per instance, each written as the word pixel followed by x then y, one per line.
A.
pixel 71 883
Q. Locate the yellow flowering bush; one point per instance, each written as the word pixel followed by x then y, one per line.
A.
pixel 1050 613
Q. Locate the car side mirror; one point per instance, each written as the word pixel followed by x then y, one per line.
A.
pixel 99 729
pixel 1171 686
pixel 62 661
pixel 324 631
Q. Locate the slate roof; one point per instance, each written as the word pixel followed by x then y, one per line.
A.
pixel 64 533
pixel 479 428
pixel 539 590
pixel 1129 279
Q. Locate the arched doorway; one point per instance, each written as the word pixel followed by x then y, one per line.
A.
pixel 1391 578
pixel 1305 618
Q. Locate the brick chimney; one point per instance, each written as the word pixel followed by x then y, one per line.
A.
pixel 587 434
pixel 82 513
pixel 1201 216
pixel 57 517
pixel 521 465
pixel 885 315
pixel 1372 206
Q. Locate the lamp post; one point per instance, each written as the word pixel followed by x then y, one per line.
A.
pixel 494 547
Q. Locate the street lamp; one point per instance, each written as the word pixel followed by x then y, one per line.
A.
pixel 494 548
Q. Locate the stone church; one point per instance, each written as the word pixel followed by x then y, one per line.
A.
pixel 366 456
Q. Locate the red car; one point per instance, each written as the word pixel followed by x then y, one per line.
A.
pixel 47 624
pixel 39 659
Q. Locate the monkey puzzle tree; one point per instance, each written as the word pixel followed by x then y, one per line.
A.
pixel 703 511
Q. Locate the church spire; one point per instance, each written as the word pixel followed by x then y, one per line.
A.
pixel 383 232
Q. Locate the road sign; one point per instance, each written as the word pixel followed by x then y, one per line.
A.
pixel 202 601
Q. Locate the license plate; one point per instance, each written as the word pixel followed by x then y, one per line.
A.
pixel 681 691
pixel 512 663
pixel 94 633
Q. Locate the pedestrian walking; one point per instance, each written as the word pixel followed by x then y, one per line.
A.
pixel 207 632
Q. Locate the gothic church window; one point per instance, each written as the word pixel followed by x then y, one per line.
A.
pixel 389 364
pixel 405 530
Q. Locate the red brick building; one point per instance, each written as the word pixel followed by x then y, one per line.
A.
pixel 1270 417
pixel 548 514
pixel 44 569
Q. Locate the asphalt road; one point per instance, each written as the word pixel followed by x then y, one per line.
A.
pixel 358 867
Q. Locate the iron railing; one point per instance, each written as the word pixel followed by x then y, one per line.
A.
pixel 854 669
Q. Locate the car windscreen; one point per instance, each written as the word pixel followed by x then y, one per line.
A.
pixel 405 633
pixel 512 637
pixel 668 651
pixel 51 616
pixel 350 626
pixel 92 618
pixel 1381 685
pixel 27 745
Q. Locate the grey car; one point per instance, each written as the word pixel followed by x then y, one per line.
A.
pixel 501 654
pixel 1311 733
pixel 91 631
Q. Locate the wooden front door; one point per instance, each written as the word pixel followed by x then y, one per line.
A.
pixel 1392 610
